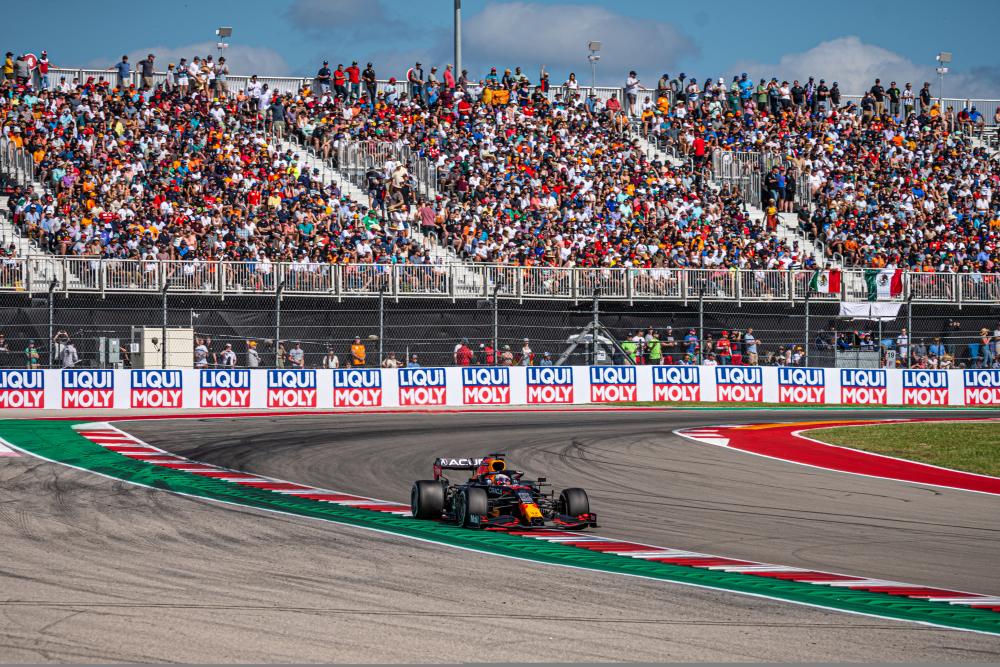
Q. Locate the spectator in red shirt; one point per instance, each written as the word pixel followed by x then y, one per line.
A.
pixel 340 83
pixel 699 149
pixel 354 78
pixel 723 349
pixel 463 354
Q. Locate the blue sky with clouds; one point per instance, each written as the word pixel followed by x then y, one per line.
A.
pixel 850 41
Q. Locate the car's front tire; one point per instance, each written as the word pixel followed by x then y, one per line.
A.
pixel 574 502
pixel 427 499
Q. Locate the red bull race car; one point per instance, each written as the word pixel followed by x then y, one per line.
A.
pixel 497 497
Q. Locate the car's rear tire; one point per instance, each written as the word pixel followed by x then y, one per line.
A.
pixel 427 499
pixel 574 502
pixel 471 502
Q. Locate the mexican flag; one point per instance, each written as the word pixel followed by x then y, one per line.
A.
pixel 826 282
pixel 883 283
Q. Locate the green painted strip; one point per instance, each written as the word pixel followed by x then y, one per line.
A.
pixel 58 442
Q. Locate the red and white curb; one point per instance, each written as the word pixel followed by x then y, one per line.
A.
pixel 7 451
pixel 118 441
pixel 787 442
pixel 122 443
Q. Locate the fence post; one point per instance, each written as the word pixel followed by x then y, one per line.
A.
pixel 52 313
pixel 381 323
pixel 701 322
pixel 277 322
pixel 808 294
pixel 496 321
pixel 909 328
pixel 163 332
pixel 596 326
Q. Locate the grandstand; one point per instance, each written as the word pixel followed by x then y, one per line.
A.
pixel 502 187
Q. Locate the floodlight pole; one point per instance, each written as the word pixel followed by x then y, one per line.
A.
pixel 594 47
pixel 942 58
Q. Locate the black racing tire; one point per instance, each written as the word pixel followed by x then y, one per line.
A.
pixel 427 499
pixel 574 502
pixel 471 501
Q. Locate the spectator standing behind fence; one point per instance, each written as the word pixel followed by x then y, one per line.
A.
pixel 655 348
pixel 527 357
pixel 358 352
pixel 506 356
pixel 200 353
pixel 253 357
pixel 69 355
pixel 391 361
pixel 463 354
pixel 750 347
pixel 331 360
pixel 32 356
pixel 228 358
pixel 297 357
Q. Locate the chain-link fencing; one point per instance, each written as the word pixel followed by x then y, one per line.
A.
pixel 265 329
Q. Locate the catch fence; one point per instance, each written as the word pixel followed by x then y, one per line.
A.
pixel 590 330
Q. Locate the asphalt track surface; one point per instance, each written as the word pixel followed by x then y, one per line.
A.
pixel 95 570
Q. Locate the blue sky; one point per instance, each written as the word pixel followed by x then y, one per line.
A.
pixel 852 44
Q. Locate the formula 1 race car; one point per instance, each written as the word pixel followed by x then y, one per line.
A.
pixel 497 497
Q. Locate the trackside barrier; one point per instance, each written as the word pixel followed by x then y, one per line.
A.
pixel 236 389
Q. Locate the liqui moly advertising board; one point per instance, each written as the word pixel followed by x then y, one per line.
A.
pixel 88 389
pixel 291 388
pixel 224 388
pixel 22 389
pixel 921 387
pixel 981 386
pixel 863 386
pixel 801 385
pixel 612 384
pixel 422 386
pixel 676 383
pixel 550 384
pixel 357 388
pixel 739 384
pixel 486 386
pixel 156 389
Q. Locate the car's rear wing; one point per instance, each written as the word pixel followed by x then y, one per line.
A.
pixel 455 463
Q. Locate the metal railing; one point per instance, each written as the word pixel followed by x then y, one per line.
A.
pixel 74 274
pixel 16 162
pixel 293 84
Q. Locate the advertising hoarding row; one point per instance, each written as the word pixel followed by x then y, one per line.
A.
pixel 175 389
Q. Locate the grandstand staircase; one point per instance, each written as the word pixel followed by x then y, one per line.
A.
pixel 466 281
pixel 42 273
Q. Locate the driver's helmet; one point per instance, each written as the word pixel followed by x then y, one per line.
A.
pixel 501 480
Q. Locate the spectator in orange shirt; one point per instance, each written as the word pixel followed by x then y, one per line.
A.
pixel 358 352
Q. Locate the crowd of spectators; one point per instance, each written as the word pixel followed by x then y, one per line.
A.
pixel 893 179
pixel 189 169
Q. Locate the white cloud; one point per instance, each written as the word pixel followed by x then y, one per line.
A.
pixel 319 16
pixel 855 65
pixel 530 35
pixel 242 59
